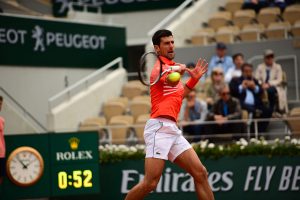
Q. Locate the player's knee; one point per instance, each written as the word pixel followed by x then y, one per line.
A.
pixel 150 185
pixel 200 174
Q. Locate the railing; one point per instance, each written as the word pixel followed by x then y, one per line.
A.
pixel 170 17
pixel 83 84
pixel 248 122
pixel 283 131
pixel 284 57
pixel 33 121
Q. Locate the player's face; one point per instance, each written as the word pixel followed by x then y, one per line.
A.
pixel 166 47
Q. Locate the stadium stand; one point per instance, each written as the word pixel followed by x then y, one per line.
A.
pixel 293 124
pixel 227 34
pixel 123 100
pixel 268 15
pixel 278 30
pixel 220 19
pixel 292 13
pixel 120 126
pixel 203 36
pixel 295 30
pixel 269 23
pixel 233 5
pixel 139 128
pixel 243 17
pixel 251 32
pixel 138 108
pixel 92 124
pixel 133 88
pixel 111 109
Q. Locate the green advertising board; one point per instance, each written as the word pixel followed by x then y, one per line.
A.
pixel 28 41
pixel 9 190
pixel 247 177
pixel 61 7
pixel 70 160
pixel 75 164
pixel 72 171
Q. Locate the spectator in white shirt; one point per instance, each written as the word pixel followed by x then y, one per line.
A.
pixel 236 71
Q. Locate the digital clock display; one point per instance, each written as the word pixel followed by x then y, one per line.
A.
pixel 79 179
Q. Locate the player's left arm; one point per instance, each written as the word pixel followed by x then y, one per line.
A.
pixel 196 73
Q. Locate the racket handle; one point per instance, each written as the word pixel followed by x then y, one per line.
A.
pixel 174 68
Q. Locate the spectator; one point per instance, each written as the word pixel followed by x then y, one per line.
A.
pixel 235 72
pixel 255 4
pixel 220 59
pixel 193 110
pixel 212 86
pixel 280 4
pixel 249 92
pixel 2 145
pixel 226 108
pixel 269 75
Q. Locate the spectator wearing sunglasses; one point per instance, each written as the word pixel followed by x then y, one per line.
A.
pixel 225 109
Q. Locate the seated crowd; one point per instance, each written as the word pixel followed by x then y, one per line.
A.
pixel 231 90
pixel 259 4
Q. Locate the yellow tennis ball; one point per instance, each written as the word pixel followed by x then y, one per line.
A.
pixel 174 77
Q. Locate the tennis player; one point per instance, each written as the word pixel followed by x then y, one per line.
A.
pixel 163 139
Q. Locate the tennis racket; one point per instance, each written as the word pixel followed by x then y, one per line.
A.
pixel 147 61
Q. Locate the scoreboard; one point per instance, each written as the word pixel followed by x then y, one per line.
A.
pixel 75 164
pixel 60 164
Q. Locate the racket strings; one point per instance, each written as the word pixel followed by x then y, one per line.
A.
pixel 144 61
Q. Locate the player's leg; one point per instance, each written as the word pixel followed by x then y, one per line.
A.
pixel 153 170
pixel 189 161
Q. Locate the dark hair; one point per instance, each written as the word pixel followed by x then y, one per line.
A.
pixel 190 65
pixel 246 65
pixel 237 55
pixel 159 34
pixel 1 98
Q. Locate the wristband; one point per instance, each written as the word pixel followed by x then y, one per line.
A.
pixel 191 83
pixel 174 68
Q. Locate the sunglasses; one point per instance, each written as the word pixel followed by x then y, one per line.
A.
pixel 269 57
pixel 218 74
pixel 225 93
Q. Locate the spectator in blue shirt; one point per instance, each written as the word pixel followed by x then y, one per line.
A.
pixel 249 92
pixel 220 59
